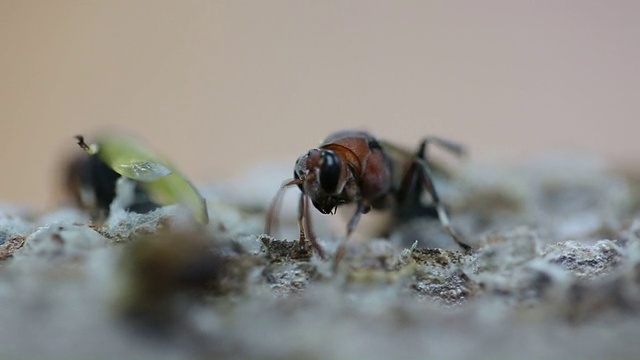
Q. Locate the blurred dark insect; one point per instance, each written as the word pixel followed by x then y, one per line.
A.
pixel 93 180
pixel 161 276
pixel 91 184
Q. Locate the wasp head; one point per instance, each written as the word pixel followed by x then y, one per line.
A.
pixel 323 175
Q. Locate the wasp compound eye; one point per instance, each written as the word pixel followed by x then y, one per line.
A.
pixel 329 171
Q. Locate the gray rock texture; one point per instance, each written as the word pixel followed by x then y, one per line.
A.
pixel 555 273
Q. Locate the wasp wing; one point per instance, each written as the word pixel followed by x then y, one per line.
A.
pixel 175 188
pixel 130 159
pixel 162 181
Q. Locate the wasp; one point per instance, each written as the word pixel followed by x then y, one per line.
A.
pixel 92 180
pixel 353 167
pixel 91 184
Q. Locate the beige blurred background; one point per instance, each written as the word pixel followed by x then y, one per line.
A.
pixel 223 86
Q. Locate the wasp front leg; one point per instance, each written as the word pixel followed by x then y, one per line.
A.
pixel 361 208
pixel 304 224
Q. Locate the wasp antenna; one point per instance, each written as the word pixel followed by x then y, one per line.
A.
pixel 274 208
pixel 84 145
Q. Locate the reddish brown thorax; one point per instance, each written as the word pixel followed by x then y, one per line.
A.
pixel 363 153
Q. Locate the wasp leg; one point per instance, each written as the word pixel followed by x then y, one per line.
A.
pixel 408 195
pixel 301 214
pixel 409 200
pixel 442 213
pixel 351 226
pixel 304 223
pixel 450 146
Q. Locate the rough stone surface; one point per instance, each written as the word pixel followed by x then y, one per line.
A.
pixel 555 274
